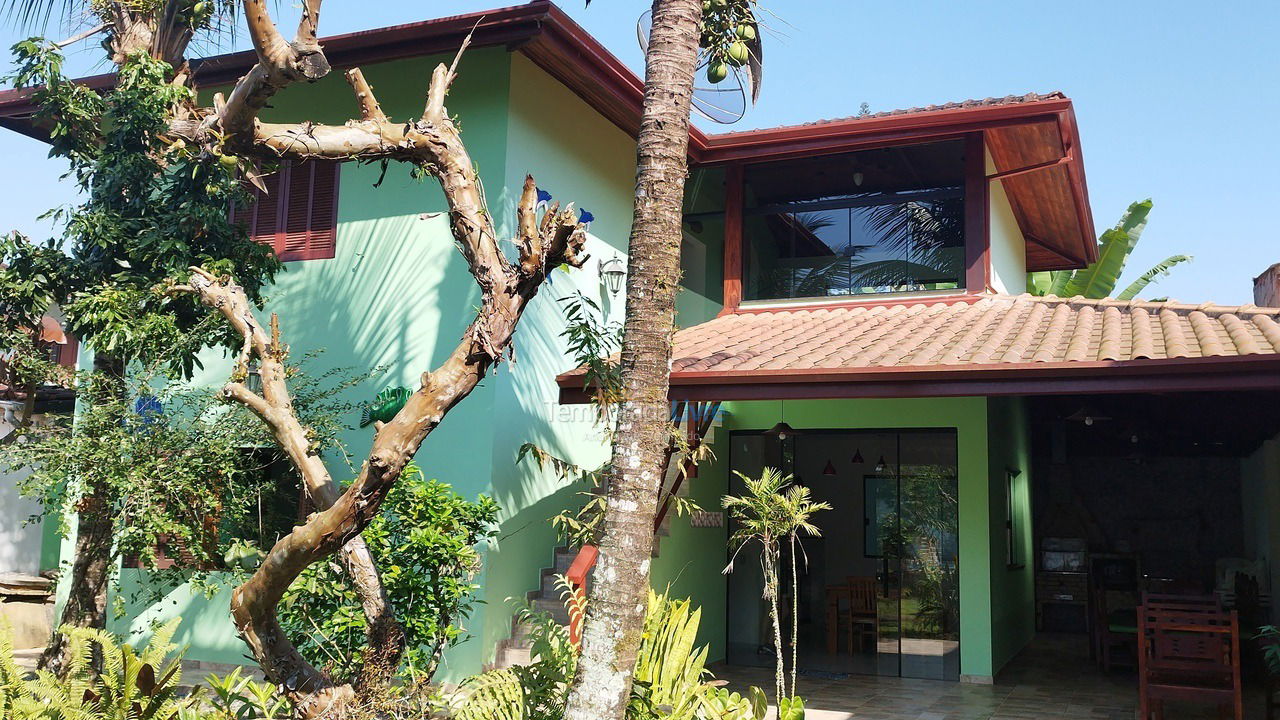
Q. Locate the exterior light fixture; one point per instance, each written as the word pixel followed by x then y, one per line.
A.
pixel 612 272
pixel 857 457
pixel 253 378
pixel 782 430
pixel 829 470
pixel 857 179
pixel 880 465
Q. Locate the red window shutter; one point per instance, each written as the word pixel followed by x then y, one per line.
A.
pixel 298 214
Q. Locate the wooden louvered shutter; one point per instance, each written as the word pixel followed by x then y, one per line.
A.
pixel 261 217
pixel 297 216
pixel 310 215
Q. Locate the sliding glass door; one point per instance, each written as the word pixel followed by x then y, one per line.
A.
pixel 879 589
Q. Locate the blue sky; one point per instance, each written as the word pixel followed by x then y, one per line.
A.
pixel 1176 101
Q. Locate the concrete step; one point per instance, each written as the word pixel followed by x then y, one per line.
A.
pixel 511 657
pixel 553 607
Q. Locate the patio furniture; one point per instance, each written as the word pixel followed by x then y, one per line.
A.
pixel 1189 656
pixel 853 605
pixel 1113 596
pixel 1181 603
pixel 864 611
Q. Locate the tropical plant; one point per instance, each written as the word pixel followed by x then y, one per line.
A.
pixel 671 679
pixel 424 542
pixel 132 685
pixel 1100 278
pixel 236 696
pixel 797 508
pixel 761 519
pixel 769 513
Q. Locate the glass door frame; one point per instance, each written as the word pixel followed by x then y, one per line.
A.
pixel 787 454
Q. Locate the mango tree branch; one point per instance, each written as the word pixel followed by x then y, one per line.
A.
pixel 275 408
pixel 279 64
pixel 435 145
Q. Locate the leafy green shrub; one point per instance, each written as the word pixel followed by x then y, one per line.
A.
pixel 239 697
pixel 424 545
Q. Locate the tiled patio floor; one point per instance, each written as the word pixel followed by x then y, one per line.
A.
pixel 1052 679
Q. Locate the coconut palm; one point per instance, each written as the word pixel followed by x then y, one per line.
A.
pixel 1099 279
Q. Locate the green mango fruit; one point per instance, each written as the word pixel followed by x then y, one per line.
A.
pixel 739 53
pixel 717 71
pixel 229 162
pixel 230 558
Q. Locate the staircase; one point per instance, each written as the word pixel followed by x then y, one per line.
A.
pixel 546 599
pixel 549 599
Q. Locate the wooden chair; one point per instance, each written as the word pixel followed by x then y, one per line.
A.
pixel 854 606
pixel 1182 603
pixel 1188 656
pixel 864 611
pixel 1115 631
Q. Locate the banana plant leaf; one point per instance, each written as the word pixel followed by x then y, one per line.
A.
pixel 1099 279
pixel 1147 277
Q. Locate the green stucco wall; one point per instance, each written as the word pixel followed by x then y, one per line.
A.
pixel 1012 587
pixel 578 157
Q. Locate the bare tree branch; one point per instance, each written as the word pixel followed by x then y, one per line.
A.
pixel 369 108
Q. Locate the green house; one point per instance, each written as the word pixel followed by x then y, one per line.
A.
pixel 853 311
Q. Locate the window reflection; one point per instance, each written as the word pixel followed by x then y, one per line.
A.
pixel 874 221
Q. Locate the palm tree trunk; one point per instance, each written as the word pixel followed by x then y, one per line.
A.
pixel 772 582
pixel 615 613
pixel 795 612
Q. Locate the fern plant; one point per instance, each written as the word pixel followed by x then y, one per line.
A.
pixel 132 685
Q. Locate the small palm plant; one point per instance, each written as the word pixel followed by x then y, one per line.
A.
pixel 771 512
pixel 798 507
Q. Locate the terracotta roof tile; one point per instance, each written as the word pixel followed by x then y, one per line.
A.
pixel 991 330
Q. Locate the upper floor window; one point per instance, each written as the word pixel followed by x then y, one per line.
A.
pixel 298 215
pixel 872 221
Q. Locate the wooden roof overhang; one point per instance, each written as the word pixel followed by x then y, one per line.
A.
pixel 1201 374
pixel 1034 146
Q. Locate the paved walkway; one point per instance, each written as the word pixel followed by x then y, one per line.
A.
pixel 1052 679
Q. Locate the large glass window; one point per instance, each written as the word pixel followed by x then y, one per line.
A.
pixel 873 221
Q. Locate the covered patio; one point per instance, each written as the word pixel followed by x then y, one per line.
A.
pixel 1051 679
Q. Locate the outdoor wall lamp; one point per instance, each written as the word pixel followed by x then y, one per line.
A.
pixel 613 271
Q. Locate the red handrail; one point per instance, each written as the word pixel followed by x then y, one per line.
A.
pixel 579 569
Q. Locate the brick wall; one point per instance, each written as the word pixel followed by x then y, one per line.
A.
pixel 1266 287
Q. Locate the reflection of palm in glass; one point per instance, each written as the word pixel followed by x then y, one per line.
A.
pixel 923 536
pixel 914 245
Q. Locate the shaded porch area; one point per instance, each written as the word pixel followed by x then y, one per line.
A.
pixel 1051 679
